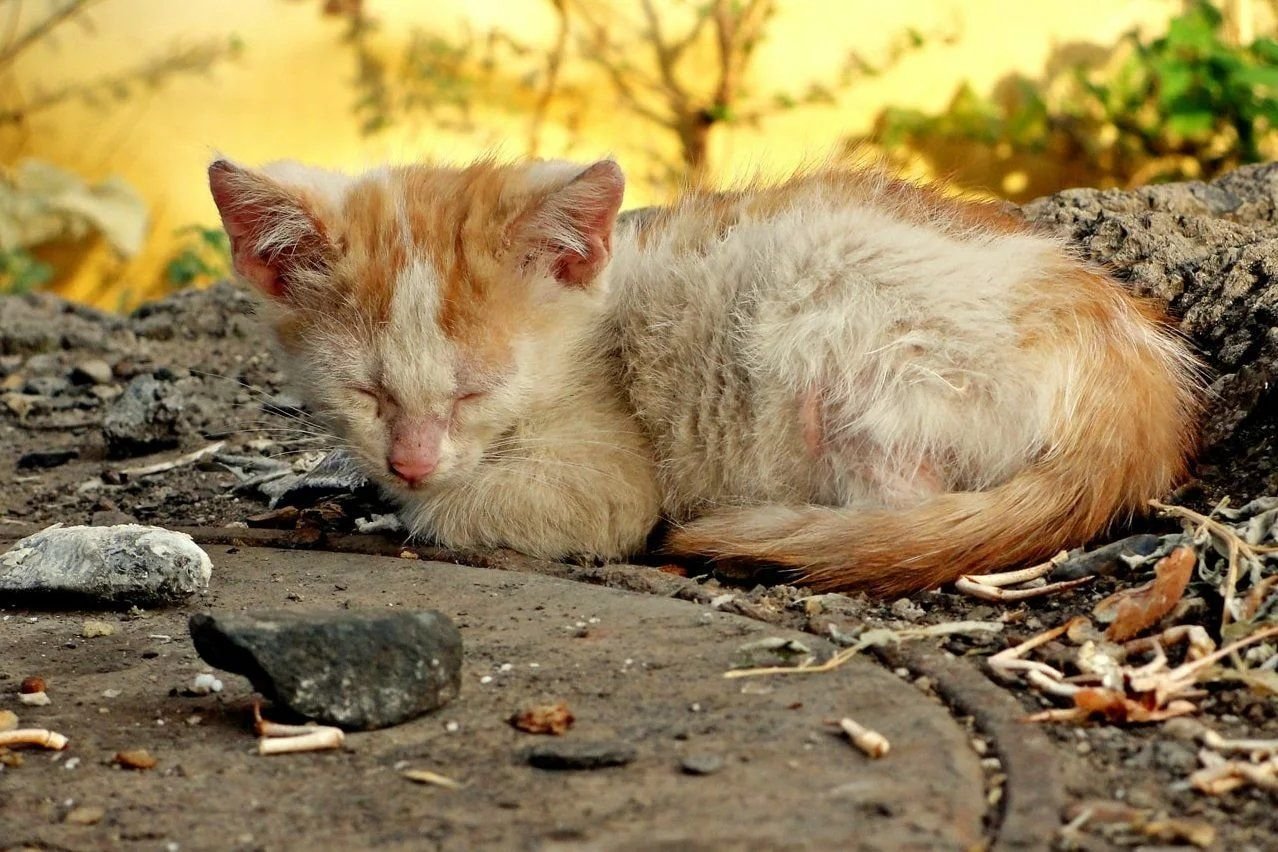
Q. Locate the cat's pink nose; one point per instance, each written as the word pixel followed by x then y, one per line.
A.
pixel 413 469
pixel 415 448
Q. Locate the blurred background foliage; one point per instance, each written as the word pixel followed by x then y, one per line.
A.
pixel 1199 99
pixel 109 108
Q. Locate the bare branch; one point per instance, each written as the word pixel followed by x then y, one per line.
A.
pixel 152 72
pixel 677 97
pixel 41 29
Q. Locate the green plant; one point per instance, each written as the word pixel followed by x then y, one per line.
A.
pixel 1188 104
pixel 20 272
pixel 204 256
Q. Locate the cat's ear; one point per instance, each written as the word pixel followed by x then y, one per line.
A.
pixel 274 236
pixel 572 227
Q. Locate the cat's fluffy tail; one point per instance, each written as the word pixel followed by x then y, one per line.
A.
pixel 1125 438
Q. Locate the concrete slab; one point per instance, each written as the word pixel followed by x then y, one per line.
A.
pixel 638 669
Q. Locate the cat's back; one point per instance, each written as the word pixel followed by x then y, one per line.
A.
pixel 730 306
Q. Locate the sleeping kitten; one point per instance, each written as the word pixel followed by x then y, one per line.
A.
pixel 842 374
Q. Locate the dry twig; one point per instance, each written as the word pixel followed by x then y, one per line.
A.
pixel 318 739
pixel 870 639
pixel 425 776
pixel 171 464
pixel 994 587
pixel 276 738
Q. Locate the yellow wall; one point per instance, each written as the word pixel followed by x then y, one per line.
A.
pixel 288 95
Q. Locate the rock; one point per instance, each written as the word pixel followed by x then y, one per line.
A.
pixel 701 764
pixel 91 629
pixel 346 669
pixel 120 564
pixel 85 815
pixel 144 419
pixel 46 386
pixel 43 459
pixel 588 754
pixel 135 758
pixel 907 609
pixel 221 310
pixel 94 371
pixel 24 328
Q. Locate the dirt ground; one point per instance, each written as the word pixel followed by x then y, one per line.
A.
pixel 776 791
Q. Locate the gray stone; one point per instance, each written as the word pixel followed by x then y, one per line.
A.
pixel 125 564
pixel 143 419
pixel 46 386
pixel 584 754
pixel 357 671
pixel 701 764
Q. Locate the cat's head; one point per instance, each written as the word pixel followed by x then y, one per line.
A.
pixel 420 306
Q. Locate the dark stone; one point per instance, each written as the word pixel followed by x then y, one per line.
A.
pixel 701 764
pixel 144 419
pixel 357 671
pixel 39 459
pixel 568 754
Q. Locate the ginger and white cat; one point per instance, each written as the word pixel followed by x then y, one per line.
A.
pixel 843 374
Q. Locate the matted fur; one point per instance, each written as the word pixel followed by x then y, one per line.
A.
pixel 843 374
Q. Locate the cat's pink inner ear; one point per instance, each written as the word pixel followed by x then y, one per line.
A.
pixel 271 233
pixel 576 223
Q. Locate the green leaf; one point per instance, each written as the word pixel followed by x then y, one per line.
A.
pixel 1191 123
pixel 1263 76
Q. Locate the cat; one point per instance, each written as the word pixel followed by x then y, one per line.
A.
pixel 851 378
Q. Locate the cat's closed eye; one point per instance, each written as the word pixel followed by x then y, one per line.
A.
pixel 368 396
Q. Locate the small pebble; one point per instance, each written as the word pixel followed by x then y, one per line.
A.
pixel 203 684
pixel 907 609
pixel 701 764
pixel 94 371
pixel 8 720
pixel 570 754
pixel 136 758
pixel 92 629
pixel 85 815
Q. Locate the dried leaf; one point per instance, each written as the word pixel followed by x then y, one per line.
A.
pixel 1199 833
pixel 1135 610
pixel 553 719
pixel 1116 707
